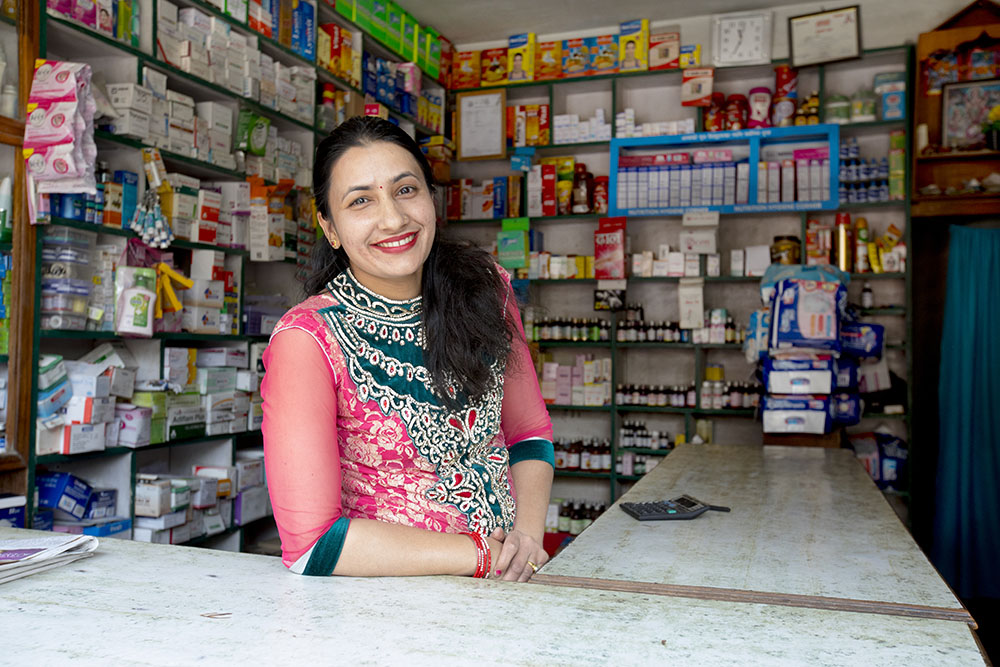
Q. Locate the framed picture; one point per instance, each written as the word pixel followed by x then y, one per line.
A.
pixel 482 125
pixel 825 37
pixel 964 108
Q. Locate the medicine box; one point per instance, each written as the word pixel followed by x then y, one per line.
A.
pixel 195 319
pixel 205 294
pixel 796 414
pixel 51 371
pixel 149 535
pixel 154 400
pixel 215 380
pixel 64 493
pixel 223 356
pixel 103 504
pixel 217 115
pixel 88 380
pixel 152 496
pixel 163 522
pixel 89 410
pixel 133 423
pixel 130 96
pixel 54 399
pixel 250 505
pixel 249 473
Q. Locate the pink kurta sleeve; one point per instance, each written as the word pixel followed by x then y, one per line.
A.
pixel 300 442
pixel 524 419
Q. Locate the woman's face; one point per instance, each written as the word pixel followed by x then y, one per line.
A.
pixel 383 216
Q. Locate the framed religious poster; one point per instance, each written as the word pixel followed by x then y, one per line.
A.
pixel 825 37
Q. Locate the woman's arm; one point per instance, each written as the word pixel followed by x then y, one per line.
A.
pixel 528 431
pixel 303 475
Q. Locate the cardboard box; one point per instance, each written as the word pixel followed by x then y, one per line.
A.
pixel 200 320
pixel 162 522
pixel 154 400
pixel 216 380
pixel 217 115
pixel 89 410
pixel 633 41
pixel 664 51
pixel 150 536
pixel 250 473
pixel 250 505
pixel 185 431
pixel 248 381
pixel 64 493
pixel 152 496
pixel 72 439
pixel 133 423
pixel 12 511
pixel 223 356
pixel 205 294
pixel 521 57
pixel 87 380
pixel 103 504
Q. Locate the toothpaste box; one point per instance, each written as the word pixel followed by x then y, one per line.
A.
pixel 799 376
pixel 64 493
pixel 797 414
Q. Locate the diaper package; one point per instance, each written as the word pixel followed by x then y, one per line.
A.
pixel 778 272
pixel 847 408
pixel 805 316
pixel 812 375
pixel 797 414
pixel 845 372
pixel 884 456
pixel 755 345
pixel 862 340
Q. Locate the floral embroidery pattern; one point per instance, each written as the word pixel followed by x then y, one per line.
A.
pixel 382 344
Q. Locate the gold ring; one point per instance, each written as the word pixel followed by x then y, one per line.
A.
pixel 534 568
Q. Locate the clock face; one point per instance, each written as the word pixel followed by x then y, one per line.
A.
pixel 743 39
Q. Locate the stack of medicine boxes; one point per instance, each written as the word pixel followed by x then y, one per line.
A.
pixel 174 509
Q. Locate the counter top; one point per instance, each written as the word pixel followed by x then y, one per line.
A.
pixel 805 521
pixel 135 603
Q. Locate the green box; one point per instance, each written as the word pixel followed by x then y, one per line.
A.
pixel 379 9
pixel 363 15
pixel 512 249
pixel 157 400
pixel 408 43
pixel 347 9
pixel 421 48
pixel 157 431
pixel 394 27
pixel 251 133
pixel 185 431
pixel 433 44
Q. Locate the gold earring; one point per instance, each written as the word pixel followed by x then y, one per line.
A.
pixel 335 244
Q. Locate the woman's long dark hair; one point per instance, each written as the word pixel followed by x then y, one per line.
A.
pixel 465 322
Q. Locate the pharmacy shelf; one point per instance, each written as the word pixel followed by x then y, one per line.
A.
pixel 872 205
pixel 188 165
pixel 66 30
pixel 184 442
pixel 581 473
pixel 727 412
pixel 8 20
pixel 165 336
pixel 193 337
pixel 878 276
pixel 573 146
pixel 580 79
pixel 874 125
pixel 629 478
pixel 562 281
pixel 885 415
pixel 85 456
pixel 645 450
pixel 573 343
pixel 544 218
pixel 655 345
pixel 128 233
pixel 884 311
pixel 707 279
pixel 6 247
pixel 580 408
pixel 653 408
pixel 4 358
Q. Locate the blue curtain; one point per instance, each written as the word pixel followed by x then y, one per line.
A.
pixel 967 524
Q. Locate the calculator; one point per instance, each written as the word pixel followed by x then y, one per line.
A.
pixel 681 507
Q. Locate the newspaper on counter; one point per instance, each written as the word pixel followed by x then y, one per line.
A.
pixel 22 557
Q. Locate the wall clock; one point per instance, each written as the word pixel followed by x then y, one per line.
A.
pixel 741 38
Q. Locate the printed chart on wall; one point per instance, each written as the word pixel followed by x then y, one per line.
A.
pixel 481 125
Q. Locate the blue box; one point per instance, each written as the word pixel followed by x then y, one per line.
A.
pixel 12 510
pixel 130 193
pixel 862 340
pixel 845 373
pixel 894 105
pixel 64 493
pixel 118 528
pixel 500 197
pixel 846 408
pixel 43 520
pixel 103 504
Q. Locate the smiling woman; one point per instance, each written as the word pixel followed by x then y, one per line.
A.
pixel 401 407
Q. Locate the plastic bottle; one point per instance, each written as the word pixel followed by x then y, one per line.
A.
pixel 861 264
pixel 133 314
pixel 867 296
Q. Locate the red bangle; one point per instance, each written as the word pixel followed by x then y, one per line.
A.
pixel 482 555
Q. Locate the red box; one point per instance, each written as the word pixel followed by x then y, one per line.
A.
pixel 465 70
pixel 549 207
pixel 454 201
pixel 609 249
pixel 493 67
pixel 544 135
